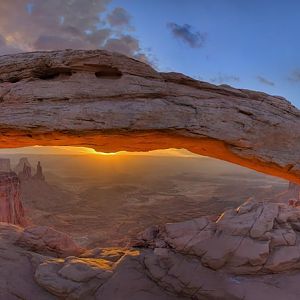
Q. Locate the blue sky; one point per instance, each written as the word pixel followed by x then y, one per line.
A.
pixel 245 41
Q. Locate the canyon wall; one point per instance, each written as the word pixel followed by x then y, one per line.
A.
pixel 11 209
pixel 294 190
pixel 5 165
pixel 111 102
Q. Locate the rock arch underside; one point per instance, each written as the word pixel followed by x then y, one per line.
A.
pixel 111 102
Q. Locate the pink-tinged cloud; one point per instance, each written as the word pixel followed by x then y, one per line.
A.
pixel 62 24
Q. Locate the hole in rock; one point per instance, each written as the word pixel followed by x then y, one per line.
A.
pixel 108 72
pixel 52 73
pixel 13 80
pixel 107 199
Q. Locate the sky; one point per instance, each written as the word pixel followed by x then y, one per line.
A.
pixel 69 150
pixel 251 44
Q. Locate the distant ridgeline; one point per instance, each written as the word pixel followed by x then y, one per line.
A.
pixel 11 208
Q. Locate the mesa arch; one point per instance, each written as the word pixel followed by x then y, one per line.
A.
pixel 110 102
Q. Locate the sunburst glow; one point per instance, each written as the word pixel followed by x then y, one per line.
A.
pixel 71 150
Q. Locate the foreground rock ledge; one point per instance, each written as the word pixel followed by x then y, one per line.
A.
pixel 248 253
pixel 111 102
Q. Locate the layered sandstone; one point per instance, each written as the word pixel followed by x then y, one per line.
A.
pixel 111 102
pixel 11 209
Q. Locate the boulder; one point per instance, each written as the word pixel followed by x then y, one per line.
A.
pixel 47 240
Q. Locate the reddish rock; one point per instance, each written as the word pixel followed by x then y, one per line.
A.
pixel 11 209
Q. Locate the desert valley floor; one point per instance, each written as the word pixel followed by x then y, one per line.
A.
pixel 106 201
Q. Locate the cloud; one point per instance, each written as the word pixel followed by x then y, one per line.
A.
pixel 265 81
pixel 46 42
pixel 2 41
pixel 61 24
pixel 294 76
pixel 224 78
pixel 125 44
pixel 119 17
pixel 6 49
pixel 194 39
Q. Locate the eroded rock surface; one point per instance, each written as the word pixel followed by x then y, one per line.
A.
pixel 254 238
pixel 112 102
pixel 197 259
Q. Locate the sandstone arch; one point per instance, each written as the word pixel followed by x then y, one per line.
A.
pixel 111 102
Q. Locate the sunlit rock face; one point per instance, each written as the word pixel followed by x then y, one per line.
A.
pixel 111 102
pixel 11 209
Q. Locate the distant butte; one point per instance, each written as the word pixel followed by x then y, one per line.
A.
pixel 110 102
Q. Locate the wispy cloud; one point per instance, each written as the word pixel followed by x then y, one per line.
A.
pixel 265 81
pixel 224 78
pixel 294 76
pixel 59 24
pixel 185 33
pixel 119 17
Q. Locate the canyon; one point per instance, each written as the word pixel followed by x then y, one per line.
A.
pixel 110 102
pixel 11 207
pixel 106 201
